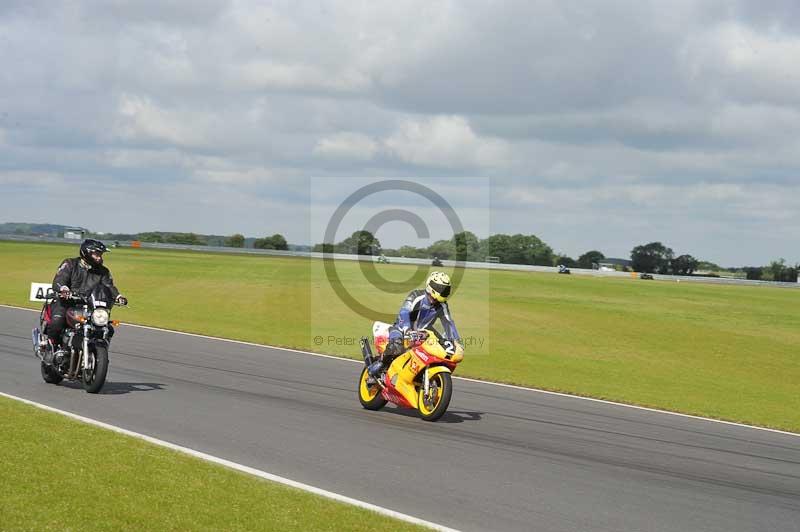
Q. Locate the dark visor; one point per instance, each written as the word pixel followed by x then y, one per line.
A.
pixel 443 290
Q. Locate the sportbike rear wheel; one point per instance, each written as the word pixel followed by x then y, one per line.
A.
pixel 94 377
pixel 440 390
pixel 369 396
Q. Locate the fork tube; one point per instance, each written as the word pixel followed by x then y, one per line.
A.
pixel 426 385
pixel 85 346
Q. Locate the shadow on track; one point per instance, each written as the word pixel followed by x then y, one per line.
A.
pixel 119 388
pixel 452 416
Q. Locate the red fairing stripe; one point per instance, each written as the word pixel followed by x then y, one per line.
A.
pixel 390 394
pixel 430 360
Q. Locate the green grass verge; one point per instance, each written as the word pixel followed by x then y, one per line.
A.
pixel 728 352
pixel 60 474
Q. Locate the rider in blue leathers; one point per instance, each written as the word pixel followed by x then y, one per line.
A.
pixel 420 310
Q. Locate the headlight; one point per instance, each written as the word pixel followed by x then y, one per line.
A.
pixel 100 317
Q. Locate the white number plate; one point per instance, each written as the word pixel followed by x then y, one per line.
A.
pixel 41 291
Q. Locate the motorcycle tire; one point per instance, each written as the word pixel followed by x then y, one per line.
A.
pixel 369 396
pixel 93 380
pixel 443 382
pixel 50 375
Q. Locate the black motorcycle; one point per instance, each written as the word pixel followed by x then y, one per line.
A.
pixel 83 352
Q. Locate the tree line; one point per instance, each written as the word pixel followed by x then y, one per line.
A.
pixel 509 249
pixel 653 257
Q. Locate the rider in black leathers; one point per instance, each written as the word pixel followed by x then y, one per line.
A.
pixel 79 276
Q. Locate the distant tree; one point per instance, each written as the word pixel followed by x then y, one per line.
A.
pixel 519 249
pixel 754 273
pixel 711 267
pixel 323 248
pixel 529 249
pixel 467 246
pixel 279 242
pixel 654 257
pixel 683 265
pixel 235 241
pixel 150 237
pixel 190 239
pixel 276 241
pixel 412 252
pixel 444 249
pixel 569 262
pixel 498 246
pixel 791 275
pixel 589 259
pixel 778 271
pixel 360 243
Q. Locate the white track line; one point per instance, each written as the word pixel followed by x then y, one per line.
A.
pixel 239 467
pixel 512 386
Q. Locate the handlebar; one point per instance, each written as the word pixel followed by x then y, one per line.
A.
pixel 74 298
pixel 416 336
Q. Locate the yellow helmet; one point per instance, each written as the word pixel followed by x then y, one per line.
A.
pixel 438 286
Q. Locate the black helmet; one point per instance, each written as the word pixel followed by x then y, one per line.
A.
pixel 90 246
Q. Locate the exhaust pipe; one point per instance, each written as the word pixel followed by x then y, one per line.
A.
pixel 36 337
pixel 366 351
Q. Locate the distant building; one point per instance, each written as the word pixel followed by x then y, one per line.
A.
pixel 74 233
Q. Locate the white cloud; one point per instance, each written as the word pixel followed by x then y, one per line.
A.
pixel 347 145
pixel 31 178
pixel 446 141
pixel 144 120
pixel 735 60
pixel 596 110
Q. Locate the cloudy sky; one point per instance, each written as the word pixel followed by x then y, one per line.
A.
pixel 592 124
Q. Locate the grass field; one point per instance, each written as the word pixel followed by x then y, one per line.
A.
pixel 120 483
pixel 729 352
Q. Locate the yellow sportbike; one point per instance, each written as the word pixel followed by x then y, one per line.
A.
pixel 420 378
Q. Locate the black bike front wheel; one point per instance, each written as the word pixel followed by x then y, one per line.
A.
pixel 94 377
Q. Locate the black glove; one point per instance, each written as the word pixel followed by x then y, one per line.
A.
pixel 395 347
pixel 122 300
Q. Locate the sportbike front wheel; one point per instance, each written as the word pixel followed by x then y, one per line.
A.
pixel 434 405
pixel 369 396
pixel 94 377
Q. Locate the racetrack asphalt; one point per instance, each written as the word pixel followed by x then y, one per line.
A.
pixel 501 459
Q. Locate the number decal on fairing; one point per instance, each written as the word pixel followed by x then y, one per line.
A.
pixel 449 347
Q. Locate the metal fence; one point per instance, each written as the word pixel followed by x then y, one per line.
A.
pixel 409 260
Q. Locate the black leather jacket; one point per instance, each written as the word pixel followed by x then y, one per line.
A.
pixel 81 278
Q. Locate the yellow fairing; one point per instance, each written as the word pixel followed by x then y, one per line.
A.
pixel 401 375
pixel 433 347
pixel 407 366
pixel 436 370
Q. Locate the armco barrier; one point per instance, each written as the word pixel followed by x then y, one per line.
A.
pixel 408 260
